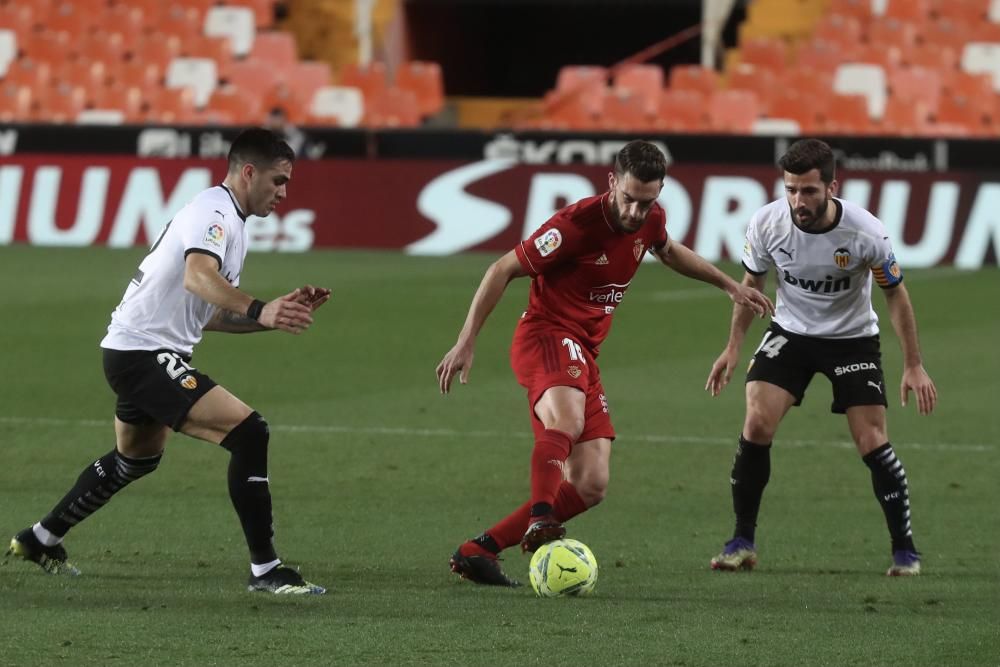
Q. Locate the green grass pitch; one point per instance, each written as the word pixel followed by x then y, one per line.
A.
pixel 377 478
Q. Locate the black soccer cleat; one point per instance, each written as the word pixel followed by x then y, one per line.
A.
pixel 480 566
pixel 53 560
pixel 542 530
pixel 283 581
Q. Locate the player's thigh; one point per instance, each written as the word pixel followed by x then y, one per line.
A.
pixel 868 428
pixel 139 441
pixel 767 405
pixel 589 464
pixel 562 407
pixel 216 414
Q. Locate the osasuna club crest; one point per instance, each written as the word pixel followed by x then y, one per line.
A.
pixel 842 257
pixel 637 250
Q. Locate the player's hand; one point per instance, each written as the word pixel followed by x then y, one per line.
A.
pixel 917 379
pixel 753 299
pixel 287 313
pixel 722 371
pixel 314 297
pixel 459 358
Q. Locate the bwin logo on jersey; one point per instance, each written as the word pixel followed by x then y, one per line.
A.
pixel 854 368
pixel 819 286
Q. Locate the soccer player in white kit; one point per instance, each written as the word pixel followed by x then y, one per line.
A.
pixel 187 284
pixel 825 253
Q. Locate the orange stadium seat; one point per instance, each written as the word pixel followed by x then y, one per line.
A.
pixel 819 55
pixel 916 11
pixel 213 48
pixel 625 111
pixel 948 32
pixel 644 80
pixel 71 18
pixel 137 74
pixel 859 9
pixel 906 117
pixel 963 11
pixel 86 74
pixel 892 32
pixel 749 77
pixel 179 20
pixel 174 106
pixel 847 114
pixel 766 53
pixel 242 108
pixel 263 11
pixel 282 97
pixel 17 17
pixel 253 77
pixel 157 49
pixel 49 47
pixel 29 73
pixel 694 77
pixel 58 104
pixel 930 56
pixel 305 78
pixel 840 29
pixel 394 107
pixel 887 57
pixel 573 111
pixel 733 111
pixel 116 96
pixel 916 85
pixel 277 48
pixel 798 107
pixel 805 82
pixel 425 80
pixel 570 77
pixel 125 20
pixel 957 83
pixel 682 110
pixel 371 79
pixel 15 102
pixel 101 47
pixel 967 112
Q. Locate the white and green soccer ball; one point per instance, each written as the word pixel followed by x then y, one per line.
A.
pixel 563 568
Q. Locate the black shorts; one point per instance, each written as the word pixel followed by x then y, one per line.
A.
pixel 154 386
pixel 853 365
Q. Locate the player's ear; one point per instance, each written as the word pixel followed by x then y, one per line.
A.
pixel 612 181
pixel 248 171
pixel 833 187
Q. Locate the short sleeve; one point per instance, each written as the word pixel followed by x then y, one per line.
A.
pixel 552 244
pixel 658 237
pixel 884 266
pixel 756 259
pixel 209 235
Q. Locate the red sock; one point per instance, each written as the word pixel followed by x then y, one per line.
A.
pixel 551 451
pixel 510 529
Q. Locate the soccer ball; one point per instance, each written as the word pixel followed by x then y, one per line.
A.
pixel 563 567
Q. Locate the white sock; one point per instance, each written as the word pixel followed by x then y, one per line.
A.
pixel 264 568
pixel 44 536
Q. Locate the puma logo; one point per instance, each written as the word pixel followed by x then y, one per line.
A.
pixel 565 569
pixel 877 385
pixel 786 252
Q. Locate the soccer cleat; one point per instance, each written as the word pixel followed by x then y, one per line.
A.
pixel 738 554
pixel 905 563
pixel 541 530
pixel 53 560
pixel 480 566
pixel 283 581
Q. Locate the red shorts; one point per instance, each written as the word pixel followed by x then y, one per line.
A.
pixel 545 357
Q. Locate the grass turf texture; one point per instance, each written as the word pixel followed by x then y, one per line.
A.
pixel 377 479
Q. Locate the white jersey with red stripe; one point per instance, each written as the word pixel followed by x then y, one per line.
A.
pixel 825 277
pixel 157 312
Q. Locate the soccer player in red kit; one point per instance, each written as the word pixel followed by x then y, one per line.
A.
pixel 581 263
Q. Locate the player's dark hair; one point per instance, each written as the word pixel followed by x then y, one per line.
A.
pixel 643 160
pixel 808 154
pixel 259 147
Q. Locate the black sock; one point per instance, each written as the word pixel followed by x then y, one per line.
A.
pixel 751 472
pixel 540 509
pixel 94 487
pixel 889 483
pixel 249 487
pixel 488 543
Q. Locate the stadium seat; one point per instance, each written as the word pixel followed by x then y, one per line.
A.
pixel 819 55
pixel 394 107
pixel 892 32
pixel 216 49
pixel 253 77
pixel 371 79
pixel 801 108
pixel 198 74
pixel 765 53
pixel 15 103
pixel 983 58
pixel 157 49
pixel 760 81
pixel 49 47
pixel 124 20
pixel 908 117
pixel 966 112
pixel 263 11
pixel 137 74
pixel 859 9
pixel 100 47
pixel 87 75
pixel 343 106
pixel 116 96
pixel 643 80
pixel 29 73
pixel 241 108
pixel 8 50
pixel 573 110
pixel 947 32
pixel 182 21
pixel 733 111
pixel 863 79
pixel 807 82
pixel 571 77
pixel 958 83
pixel 277 48
pixel 916 85
pixel 58 104
pixel 424 79
pixel 305 78
pixel 848 114
pixel 964 11
pixel 682 110
pixel 71 18
pixel 17 17
pixel 930 56
pixel 915 11
pixel 236 23
pixel 173 106
pixel 887 57
pixel 694 77
pixel 626 111
pixel 842 29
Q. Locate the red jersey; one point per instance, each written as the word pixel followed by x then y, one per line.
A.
pixel 581 266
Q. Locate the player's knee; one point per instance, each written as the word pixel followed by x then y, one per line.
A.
pixel 252 432
pixel 571 425
pixel 759 428
pixel 593 490
pixel 870 440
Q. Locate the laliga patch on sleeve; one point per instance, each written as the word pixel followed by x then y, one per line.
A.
pixel 548 242
pixel 890 269
pixel 215 235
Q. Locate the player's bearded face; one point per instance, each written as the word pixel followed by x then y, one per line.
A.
pixel 268 187
pixel 631 200
pixel 808 198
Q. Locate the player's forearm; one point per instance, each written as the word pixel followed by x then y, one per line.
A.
pixel 688 263
pixel 229 322
pixel 904 322
pixel 487 297
pixel 211 287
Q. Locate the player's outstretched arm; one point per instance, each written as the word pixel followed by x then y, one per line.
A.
pixel 491 289
pixel 314 297
pixel 202 278
pixel 915 378
pixel 724 367
pixel 686 262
